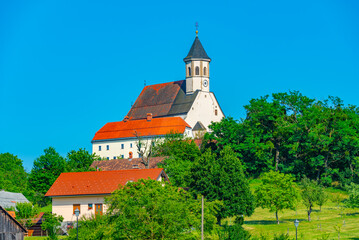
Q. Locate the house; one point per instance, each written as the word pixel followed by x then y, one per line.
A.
pixel 9 227
pixel 9 199
pixel 190 100
pixel 125 164
pixel 86 191
pixel 119 139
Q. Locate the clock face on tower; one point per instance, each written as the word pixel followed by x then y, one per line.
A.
pixel 205 83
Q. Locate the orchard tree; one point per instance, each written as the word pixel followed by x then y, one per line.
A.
pixel 44 172
pixel 80 160
pixel 221 177
pixel 13 177
pixel 277 192
pixel 353 200
pixel 310 190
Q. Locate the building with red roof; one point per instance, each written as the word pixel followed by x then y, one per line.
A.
pixel 86 191
pixel 160 108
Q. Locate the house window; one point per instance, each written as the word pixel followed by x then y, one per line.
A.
pixel 99 148
pixel 114 157
pixel 130 155
pixel 197 70
pixel 216 112
pixel 107 147
pixel 90 206
pixel 204 71
pixel 76 206
pixel 122 156
pixel 189 71
pixel 122 146
pixel 108 158
pixel 130 145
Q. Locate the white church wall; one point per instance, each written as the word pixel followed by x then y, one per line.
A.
pixel 204 110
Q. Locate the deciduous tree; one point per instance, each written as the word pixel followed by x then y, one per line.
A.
pixel 277 192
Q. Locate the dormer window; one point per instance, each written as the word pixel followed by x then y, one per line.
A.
pixel 204 71
pixel 189 71
pixel 197 70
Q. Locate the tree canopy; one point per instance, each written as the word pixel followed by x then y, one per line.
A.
pixel 80 160
pixel 276 192
pixel 221 177
pixel 294 134
pixel 13 177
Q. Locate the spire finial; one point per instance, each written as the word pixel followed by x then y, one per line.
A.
pixel 196 29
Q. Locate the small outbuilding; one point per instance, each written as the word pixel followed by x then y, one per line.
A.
pixel 10 229
pixel 9 199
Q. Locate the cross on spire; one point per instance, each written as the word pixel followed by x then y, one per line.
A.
pixel 196 29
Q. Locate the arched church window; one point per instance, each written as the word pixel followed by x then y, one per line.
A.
pixel 189 71
pixel 197 70
pixel 204 71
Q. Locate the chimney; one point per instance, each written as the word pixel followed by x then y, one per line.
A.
pixel 126 119
pixel 149 117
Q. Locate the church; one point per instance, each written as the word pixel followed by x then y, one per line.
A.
pixel 186 107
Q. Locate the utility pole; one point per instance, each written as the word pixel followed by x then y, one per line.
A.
pixel 202 218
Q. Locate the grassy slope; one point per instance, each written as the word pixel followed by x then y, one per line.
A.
pixel 263 222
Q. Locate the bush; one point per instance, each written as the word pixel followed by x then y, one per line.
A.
pixel 51 223
pixel 233 232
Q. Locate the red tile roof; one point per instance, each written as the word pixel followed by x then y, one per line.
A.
pixel 101 182
pixel 122 164
pixel 155 127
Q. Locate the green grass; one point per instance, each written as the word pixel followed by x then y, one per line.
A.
pixel 47 208
pixel 263 222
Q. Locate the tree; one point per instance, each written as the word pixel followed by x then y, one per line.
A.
pixel 51 223
pixel 25 212
pixel 276 192
pixel 309 194
pixel 180 153
pixel 221 177
pixel 149 209
pixel 80 160
pixel 353 200
pixel 322 197
pixel 13 177
pixel 44 172
pixel 145 149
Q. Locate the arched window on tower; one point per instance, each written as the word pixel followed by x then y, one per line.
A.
pixel 189 71
pixel 197 70
pixel 204 71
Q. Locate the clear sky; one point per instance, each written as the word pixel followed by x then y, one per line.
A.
pixel 69 67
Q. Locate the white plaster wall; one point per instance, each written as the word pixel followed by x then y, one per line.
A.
pixel 115 149
pixel 195 82
pixel 64 206
pixel 203 110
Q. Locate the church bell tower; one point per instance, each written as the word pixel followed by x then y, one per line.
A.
pixel 197 68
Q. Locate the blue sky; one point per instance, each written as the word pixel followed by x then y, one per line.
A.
pixel 69 67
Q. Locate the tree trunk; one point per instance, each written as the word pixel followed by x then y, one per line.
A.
pixel 309 212
pixel 276 215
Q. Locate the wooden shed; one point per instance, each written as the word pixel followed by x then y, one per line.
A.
pixel 10 229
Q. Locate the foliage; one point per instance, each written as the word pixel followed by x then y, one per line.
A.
pixel 51 223
pixel 233 232
pixel 181 154
pixel 13 177
pixel 294 134
pixel 322 197
pixel 353 200
pixel 44 172
pixel 92 228
pixel 149 209
pixel 221 177
pixel 277 192
pixel 80 161
pixel 145 148
pixel 25 212
pixel 309 194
